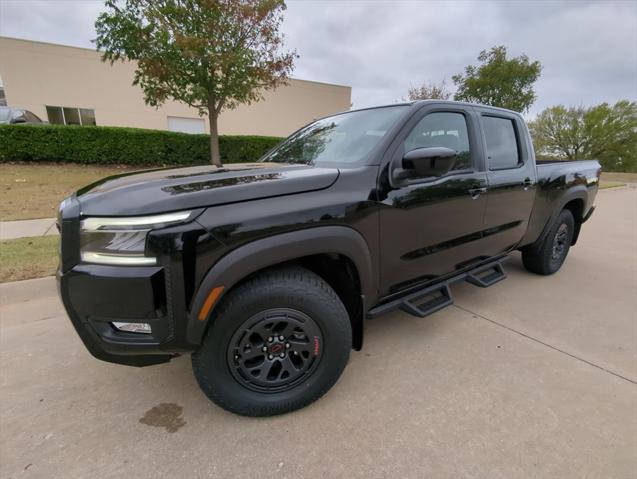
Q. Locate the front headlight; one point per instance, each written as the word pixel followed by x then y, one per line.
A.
pixel 122 241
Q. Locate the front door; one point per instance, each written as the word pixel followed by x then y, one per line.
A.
pixel 432 226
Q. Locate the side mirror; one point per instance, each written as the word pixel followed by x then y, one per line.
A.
pixel 424 162
pixel 19 119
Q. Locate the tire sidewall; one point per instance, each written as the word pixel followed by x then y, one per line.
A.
pixel 564 218
pixel 211 362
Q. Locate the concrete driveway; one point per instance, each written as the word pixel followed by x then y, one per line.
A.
pixel 534 377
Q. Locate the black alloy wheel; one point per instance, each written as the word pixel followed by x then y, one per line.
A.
pixel 274 350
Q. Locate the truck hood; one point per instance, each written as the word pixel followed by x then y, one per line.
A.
pixel 173 189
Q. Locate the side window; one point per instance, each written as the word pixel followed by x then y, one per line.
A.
pixel 442 129
pixel 32 117
pixel 502 143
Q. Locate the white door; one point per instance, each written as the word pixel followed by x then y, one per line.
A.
pixel 186 125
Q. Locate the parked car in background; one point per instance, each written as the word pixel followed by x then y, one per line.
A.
pixel 9 115
pixel 267 274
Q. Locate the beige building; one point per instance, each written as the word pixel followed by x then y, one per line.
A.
pixel 71 85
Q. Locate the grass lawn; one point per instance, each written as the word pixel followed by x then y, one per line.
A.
pixel 619 177
pixel 610 184
pixel 27 258
pixel 35 190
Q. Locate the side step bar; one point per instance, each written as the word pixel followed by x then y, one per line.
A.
pixel 433 298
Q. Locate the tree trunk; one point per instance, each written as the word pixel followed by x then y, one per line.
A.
pixel 215 157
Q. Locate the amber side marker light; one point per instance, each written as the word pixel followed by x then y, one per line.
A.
pixel 209 303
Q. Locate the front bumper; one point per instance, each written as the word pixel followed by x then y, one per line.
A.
pixel 95 296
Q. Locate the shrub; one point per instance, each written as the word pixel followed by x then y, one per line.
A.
pixel 124 146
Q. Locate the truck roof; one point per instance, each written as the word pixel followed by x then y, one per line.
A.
pixel 422 102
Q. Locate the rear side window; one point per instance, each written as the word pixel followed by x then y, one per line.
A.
pixel 442 129
pixel 502 143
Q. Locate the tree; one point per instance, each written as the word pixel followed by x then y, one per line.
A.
pixel 499 81
pixel 429 91
pixel 603 132
pixel 210 54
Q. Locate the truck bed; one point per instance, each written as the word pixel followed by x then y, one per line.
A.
pixel 558 183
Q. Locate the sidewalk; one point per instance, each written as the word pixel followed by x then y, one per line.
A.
pixel 20 229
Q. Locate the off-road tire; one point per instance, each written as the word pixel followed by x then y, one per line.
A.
pixel 548 256
pixel 293 290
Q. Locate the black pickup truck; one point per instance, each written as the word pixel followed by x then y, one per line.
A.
pixel 266 272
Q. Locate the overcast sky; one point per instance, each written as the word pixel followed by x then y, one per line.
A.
pixel 380 48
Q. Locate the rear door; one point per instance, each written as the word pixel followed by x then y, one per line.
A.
pixel 511 178
pixel 431 226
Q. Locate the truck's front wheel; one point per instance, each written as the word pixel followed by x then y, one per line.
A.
pixel 278 342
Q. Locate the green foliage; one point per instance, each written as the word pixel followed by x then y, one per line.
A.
pixel 125 146
pixel 499 81
pixel 602 132
pixel 210 54
pixel 429 91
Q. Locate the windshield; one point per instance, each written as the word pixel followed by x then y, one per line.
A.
pixel 345 139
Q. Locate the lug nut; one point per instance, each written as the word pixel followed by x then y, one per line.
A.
pixel 264 349
pixel 287 345
pixel 282 355
pixel 281 338
pixel 270 356
pixel 270 339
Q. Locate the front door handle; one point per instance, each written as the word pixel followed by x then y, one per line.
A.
pixel 476 192
pixel 528 182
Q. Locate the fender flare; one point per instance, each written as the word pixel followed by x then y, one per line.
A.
pixel 259 254
pixel 576 193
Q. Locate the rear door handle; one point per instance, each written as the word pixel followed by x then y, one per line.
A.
pixel 475 192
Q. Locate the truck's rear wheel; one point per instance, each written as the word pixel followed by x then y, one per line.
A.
pixel 278 342
pixel 548 257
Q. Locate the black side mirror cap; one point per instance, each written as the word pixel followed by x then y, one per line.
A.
pixel 426 162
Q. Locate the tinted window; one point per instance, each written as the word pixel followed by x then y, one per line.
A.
pixel 31 117
pixel 442 129
pixel 71 116
pixel 5 114
pixel 87 116
pixel 54 113
pixel 502 145
pixel 344 139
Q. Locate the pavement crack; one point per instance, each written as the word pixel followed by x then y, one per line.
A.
pixel 554 348
pixel 49 229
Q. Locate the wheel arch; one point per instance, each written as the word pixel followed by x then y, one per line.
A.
pixel 575 201
pixel 309 248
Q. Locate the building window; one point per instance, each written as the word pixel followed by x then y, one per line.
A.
pixel 87 116
pixel 70 116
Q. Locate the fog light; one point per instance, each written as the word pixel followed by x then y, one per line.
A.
pixel 143 328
